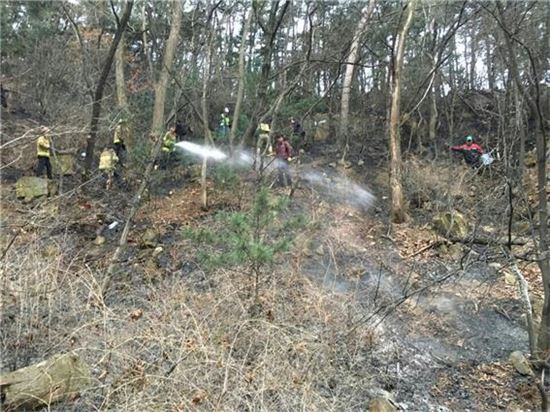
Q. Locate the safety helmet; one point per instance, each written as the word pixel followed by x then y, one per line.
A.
pixel 226 110
pixel 469 138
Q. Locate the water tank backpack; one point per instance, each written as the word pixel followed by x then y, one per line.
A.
pixel 486 159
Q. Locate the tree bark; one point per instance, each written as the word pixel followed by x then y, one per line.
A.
pixel 270 31
pixel 204 106
pixel 96 107
pixel 240 90
pixel 157 128
pixel 353 58
pixel 53 380
pixel 119 76
pixel 158 125
pixel 398 212
pixel 543 261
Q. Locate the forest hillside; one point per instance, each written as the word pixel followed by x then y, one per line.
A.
pixel 323 206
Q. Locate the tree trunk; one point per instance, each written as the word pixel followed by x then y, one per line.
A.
pixel 58 378
pixel 158 125
pixel 96 107
pixel 240 90
pixel 119 75
pixel 490 65
pixel 353 58
pixel 270 32
pixel 520 128
pixel 473 51
pixel 541 142
pixel 146 50
pixel 204 109
pixel 398 207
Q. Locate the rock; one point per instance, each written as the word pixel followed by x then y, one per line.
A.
pixel 360 162
pixel 522 226
pixel 530 159
pixel 495 265
pixel 509 277
pixel 149 238
pixel 99 240
pixel 30 187
pixel 322 128
pixel 320 251
pixel 538 304
pixel 345 163
pixel 381 405
pixel 456 250
pixel 63 164
pixel 158 250
pixel 514 407
pixel 521 363
pixel 451 224
pixel 332 164
pixel 193 172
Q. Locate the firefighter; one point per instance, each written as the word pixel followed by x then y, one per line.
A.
pixel 283 154
pixel 121 135
pixel 298 133
pixel 108 161
pixel 225 123
pixel 43 152
pixel 168 147
pixel 471 151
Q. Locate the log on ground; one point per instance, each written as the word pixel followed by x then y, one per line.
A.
pixel 58 378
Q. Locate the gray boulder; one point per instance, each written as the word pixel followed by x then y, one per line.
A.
pixel 31 187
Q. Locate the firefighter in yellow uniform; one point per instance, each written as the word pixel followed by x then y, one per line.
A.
pixel 107 165
pixel 121 135
pixel 264 140
pixel 168 147
pixel 43 148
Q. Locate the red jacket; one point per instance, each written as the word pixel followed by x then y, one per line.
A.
pixel 467 147
pixel 283 150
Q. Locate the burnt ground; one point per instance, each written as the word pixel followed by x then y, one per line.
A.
pixel 440 344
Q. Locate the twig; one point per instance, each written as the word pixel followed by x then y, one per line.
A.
pixel 429 246
pixel 133 210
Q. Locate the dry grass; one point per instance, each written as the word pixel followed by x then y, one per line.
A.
pixel 179 343
pixel 434 184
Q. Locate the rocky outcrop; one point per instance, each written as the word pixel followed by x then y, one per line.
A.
pixel 451 224
pixel 30 187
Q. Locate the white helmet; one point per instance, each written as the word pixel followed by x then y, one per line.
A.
pixel 226 110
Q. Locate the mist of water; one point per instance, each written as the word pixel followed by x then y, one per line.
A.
pixel 336 188
pixel 202 151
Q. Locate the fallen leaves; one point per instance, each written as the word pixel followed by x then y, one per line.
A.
pixel 136 314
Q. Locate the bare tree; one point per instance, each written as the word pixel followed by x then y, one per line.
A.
pixel 122 100
pixel 240 90
pixel 353 58
pixel 98 96
pixel 270 30
pixel 534 102
pixel 398 211
pixel 162 83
